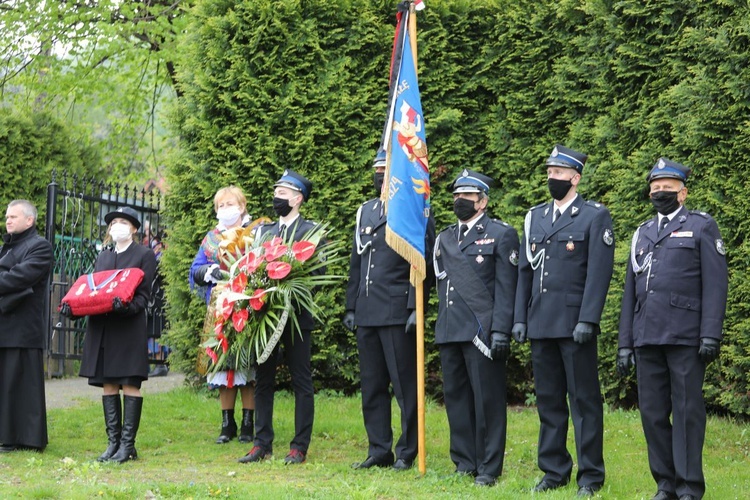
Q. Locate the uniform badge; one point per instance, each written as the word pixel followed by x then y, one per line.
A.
pixel 480 228
pixel 513 258
pixel 573 210
pixel 533 247
pixel 368 230
pixel 608 238
pixel 479 259
pixel 640 252
pixel 683 218
pixel 570 246
pixel 720 247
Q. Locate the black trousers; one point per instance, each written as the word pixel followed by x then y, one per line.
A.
pixel 297 357
pixel 23 409
pixel 670 382
pixel 474 389
pixel 388 355
pixel 567 371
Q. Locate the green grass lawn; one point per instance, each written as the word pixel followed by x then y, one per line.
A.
pixel 178 457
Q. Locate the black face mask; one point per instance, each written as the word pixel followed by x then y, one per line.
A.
pixel 464 209
pixel 378 178
pixel 281 206
pixel 665 202
pixel 559 188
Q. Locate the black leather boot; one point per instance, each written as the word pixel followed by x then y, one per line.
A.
pixel 228 427
pixel 132 406
pixel 113 423
pixel 247 429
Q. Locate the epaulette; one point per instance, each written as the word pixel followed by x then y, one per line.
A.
pixel 594 204
pixel 539 206
pixel 646 222
pixel 500 222
pixel 701 213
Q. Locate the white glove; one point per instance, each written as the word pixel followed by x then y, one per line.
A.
pixel 209 276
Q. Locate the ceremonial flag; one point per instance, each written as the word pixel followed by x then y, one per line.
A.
pixel 407 172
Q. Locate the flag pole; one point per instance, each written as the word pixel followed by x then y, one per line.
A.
pixel 419 288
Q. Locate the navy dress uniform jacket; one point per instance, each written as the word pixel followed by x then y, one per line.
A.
pixel 680 293
pixel 491 249
pixel 574 260
pixel 379 291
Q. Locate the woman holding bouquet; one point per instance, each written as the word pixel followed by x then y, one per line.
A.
pixel 205 272
pixel 115 350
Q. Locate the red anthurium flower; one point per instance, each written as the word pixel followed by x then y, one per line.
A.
pixel 275 241
pixel 278 270
pixel 250 262
pixel 239 319
pixel 226 308
pixel 239 283
pixel 223 342
pixel 274 253
pixel 212 355
pixel 258 300
pixel 303 250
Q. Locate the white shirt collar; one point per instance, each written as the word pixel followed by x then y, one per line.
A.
pixel 669 216
pixel 563 208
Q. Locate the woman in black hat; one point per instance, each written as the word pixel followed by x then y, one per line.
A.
pixel 115 351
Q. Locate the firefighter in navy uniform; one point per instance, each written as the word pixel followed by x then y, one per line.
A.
pixel 290 192
pixel 476 267
pixel 567 255
pixel 380 307
pixel 671 321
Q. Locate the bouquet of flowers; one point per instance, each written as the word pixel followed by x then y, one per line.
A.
pixel 266 287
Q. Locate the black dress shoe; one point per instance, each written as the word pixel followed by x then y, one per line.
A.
pixel 402 464
pixel 664 495
pixel 374 462
pixel 295 456
pixel 7 448
pixel 588 490
pixel 545 485
pixel 485 480
pixel 255 455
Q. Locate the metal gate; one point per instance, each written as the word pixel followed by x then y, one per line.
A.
pixel 75 226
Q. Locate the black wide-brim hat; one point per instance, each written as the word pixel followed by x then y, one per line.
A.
pixel 126 213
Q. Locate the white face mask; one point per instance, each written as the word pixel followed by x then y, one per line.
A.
pixel 228 215
pixel 120 232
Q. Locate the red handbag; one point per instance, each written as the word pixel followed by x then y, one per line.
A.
pixel 93 293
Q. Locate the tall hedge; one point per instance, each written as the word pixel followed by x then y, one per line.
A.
pixel 303 84
pixel 34 144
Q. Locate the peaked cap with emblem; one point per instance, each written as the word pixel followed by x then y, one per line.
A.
pixel 566 158
pixel 379 160
pixel 126 213
pixel 298 182
pixel 470 181
pixel 664 168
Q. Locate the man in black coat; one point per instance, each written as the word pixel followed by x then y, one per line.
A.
pixel 475 264
pixel 380 306
pixel 26 261
pixel 671 321
pixel 290 191
pixel 566 264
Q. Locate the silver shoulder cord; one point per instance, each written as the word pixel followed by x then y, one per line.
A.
pixel 362 249
pixel 438 273
pixel 534 260
pixel 646 266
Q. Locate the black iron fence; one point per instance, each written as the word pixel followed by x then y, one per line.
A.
pixel 76 228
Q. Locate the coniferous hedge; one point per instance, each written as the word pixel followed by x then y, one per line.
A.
pixel 303 84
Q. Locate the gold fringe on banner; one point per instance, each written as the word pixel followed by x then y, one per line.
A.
pixel 409 253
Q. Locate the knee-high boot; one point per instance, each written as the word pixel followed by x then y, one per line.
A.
pixel 228 427
pixel 247 428
pixel 132 406
pixel 113 423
